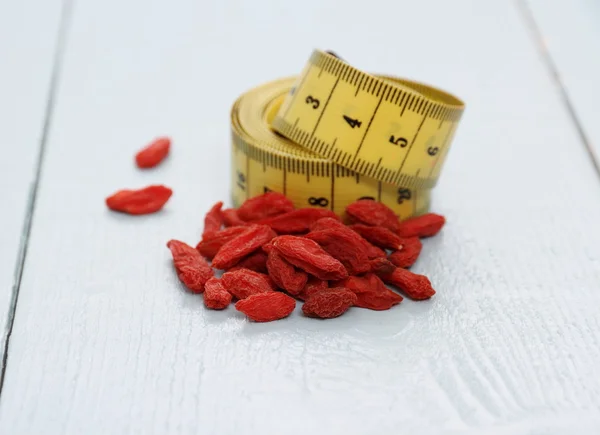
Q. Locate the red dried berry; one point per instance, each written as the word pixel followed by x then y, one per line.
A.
pixel 266 307
pixel 314 285
pixel 215 295
pixel 426 225
pixel 213 220
pixel 193 270
pixel 379 236
pixel 371 292
pixel 329 303
pixel 329 223
pixel 310 257
pixel 244 244
pixel 406 257
pixel 373 213
pixel 231 218
pixel 256 261
pixel 154 153
pixel 210 245
pixel 297 221
pixel 415 286
pixel 141 201
pixel 342 246
pixel 242 283
pixel 263 206
pixel 381 266
pixel 285 275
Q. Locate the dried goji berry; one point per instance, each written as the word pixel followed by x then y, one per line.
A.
pixel 141 201
pixel 242 283
pixel 342 246
pixel 244 244
pixel 231 218
pixel 373 213
pixel 285 275
pixel 210 245
pixel 371 292
pixel 154 153
pixel 329 303
pixel 415 286
pixel 264 206
pixel 329 223
pixel 266 307
pixel 192 269
pixel 406 257
pixel 313 286
pixel 310 257
pixel 213 220
pixel 379 236
pixel 215 295
pixel 297 221
pixel 381 266
pixel 256 261
pixel 426 225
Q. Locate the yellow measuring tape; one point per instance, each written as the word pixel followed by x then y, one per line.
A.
pixel 335 134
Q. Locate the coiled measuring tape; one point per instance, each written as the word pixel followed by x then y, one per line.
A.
pixel 335 134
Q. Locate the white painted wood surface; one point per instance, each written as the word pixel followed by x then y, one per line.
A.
pixel 570 34
pixel 27 45
pixel 106 341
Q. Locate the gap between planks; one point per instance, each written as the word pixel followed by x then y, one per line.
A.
pixel 65 18
pixel 538 39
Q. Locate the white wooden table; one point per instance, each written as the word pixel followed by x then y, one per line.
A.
pixel 99 338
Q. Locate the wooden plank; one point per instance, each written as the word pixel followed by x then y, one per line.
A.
pixel 106 341
pixel 570 36
pixel 27 47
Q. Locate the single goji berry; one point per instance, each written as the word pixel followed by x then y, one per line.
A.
pixel 373 213
pixel 210 245
pixel 313 286
pixel 266 307
pixel 371 292
pixel 415 286
pixel 381 266
pixel 344 247
pixel 379 236
pixel 426 225
pixel 244 244
pixel 242 283
pixel 192 269
pixel 263 206
pixel 284 274
pixel 141 201
pixel 310 257
pixel 329 303
pixel 297 221
pixel 330 223
pixel 213 220
pixel 256 261
pixel 408 254
pixel 154 153
pixel 231 218
pixel 216 297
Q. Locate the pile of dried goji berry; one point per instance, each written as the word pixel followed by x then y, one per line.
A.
pixel 273 254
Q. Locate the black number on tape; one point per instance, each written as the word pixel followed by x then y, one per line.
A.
pixel 432 151
pixel 321 202
pixel 241 180
pixel 352 122
pixel 315 103
pixel 367 197
pixel 266 189
pixel 398 141
pixel 403 194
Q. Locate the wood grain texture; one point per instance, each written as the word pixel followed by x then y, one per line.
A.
pixel 27 45
pixel 107 341
pixel 570 35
